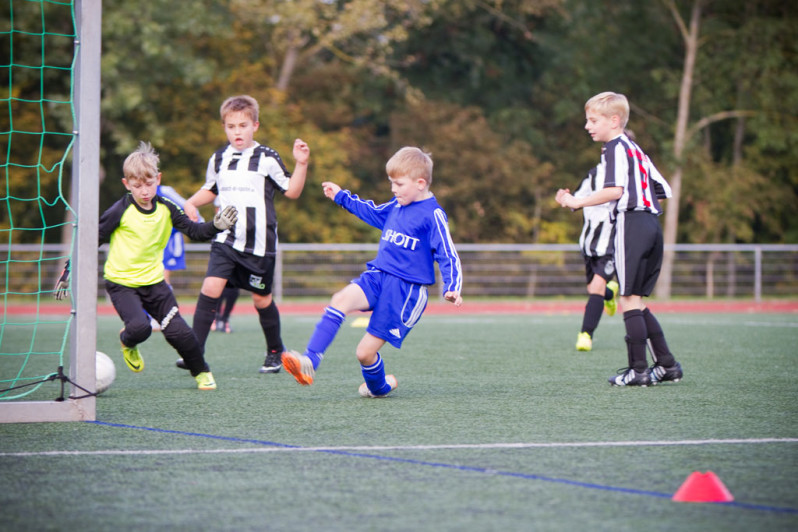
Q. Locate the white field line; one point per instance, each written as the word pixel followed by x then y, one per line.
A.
pixel 360 449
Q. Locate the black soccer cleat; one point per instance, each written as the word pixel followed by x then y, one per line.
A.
pixel 660 374
pixel 273 362
pixel 630 377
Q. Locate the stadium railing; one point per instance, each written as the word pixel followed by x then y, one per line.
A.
pixel 711 271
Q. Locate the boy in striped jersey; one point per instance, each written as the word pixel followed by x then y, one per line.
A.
pixel 597 244
pixel 634 183
pixel 415 235
pixel 247 175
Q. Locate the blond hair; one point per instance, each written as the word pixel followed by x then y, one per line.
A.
pixel 609 104
pixel 142 164
pixel 242 103
pixel 410 162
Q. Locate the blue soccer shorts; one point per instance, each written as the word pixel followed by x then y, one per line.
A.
pixel 396 305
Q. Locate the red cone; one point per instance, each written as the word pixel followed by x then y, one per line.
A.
pixel 703 487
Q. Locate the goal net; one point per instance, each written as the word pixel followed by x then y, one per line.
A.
pixel 49 168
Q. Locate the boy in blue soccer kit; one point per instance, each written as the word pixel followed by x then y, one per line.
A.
pixel 634 185
pixel 415 235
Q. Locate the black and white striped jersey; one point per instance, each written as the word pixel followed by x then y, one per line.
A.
pixel 625 165
pixel 598 230
pixel 248 180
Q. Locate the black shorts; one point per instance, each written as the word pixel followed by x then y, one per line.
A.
pixel 242 270
pixel 603 266
pixel 157 300
pixel 638 252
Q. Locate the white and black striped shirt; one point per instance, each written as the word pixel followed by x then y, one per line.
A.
pixel 248 180
pixel 625 165
pixel 598 230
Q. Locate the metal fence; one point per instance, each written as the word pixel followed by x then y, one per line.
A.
pixel 709 271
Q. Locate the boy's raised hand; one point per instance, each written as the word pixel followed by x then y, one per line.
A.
pixel 453 297
pixel 330 189
pixel 225 218
pixel 301 151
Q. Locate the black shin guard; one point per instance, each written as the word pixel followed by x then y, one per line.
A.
pixel 204 315
pixel 636 336
pixel 593 310
pixel 656 337
pixel 270 323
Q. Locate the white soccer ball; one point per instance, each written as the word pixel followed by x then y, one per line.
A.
pixel 106 372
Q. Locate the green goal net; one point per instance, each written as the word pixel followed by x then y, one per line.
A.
pixel 49 109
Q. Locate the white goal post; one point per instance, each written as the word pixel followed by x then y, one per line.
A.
pixel 85 193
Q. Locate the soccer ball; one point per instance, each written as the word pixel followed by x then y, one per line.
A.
pixel 105 372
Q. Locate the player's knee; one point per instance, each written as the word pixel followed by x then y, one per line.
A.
pixel 262 301
pixel 138 331
pixel 366 357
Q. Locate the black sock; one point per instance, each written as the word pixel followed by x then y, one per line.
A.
pixel 204 315
pixel 593 310
pixel 270 323
pixel 229 296
pixel 184 340
pixel 659 347
pixel 608 295
pixel 636 335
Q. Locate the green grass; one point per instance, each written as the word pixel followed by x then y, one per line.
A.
pixel 164 456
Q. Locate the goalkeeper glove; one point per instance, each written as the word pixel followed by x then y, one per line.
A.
pixel 62 285
pixel 226 218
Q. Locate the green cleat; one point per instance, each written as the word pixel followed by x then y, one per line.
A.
pixel 133 358
pixel 205 381
pixel 584 342
pixel 611 305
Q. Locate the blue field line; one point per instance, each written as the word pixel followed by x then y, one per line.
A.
pixel 198 434
pixel 472 469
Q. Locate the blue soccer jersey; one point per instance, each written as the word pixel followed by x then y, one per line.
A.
pixel 414 237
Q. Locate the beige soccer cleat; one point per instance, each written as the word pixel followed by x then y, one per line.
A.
pixel 365 392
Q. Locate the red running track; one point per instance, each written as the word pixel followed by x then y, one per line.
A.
pixel 244 306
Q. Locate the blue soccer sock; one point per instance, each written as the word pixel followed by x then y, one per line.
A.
pixel 374 376
pixel 324 334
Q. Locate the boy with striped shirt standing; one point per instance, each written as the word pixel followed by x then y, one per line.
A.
pixel 247 175
pixel 635 184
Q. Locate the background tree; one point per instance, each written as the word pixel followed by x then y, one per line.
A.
pixel 495 89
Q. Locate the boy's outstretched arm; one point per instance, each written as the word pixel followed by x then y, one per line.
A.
pixel 566 199
pixel 330 189
pixel 453 297
pixel 200 198
pixel 297 182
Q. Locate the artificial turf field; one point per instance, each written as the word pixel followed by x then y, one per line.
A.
pixel 497 424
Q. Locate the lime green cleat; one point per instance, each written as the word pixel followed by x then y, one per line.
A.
pixel 584 342
pixel 133 358
pixel 205 381
pixel 611 305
